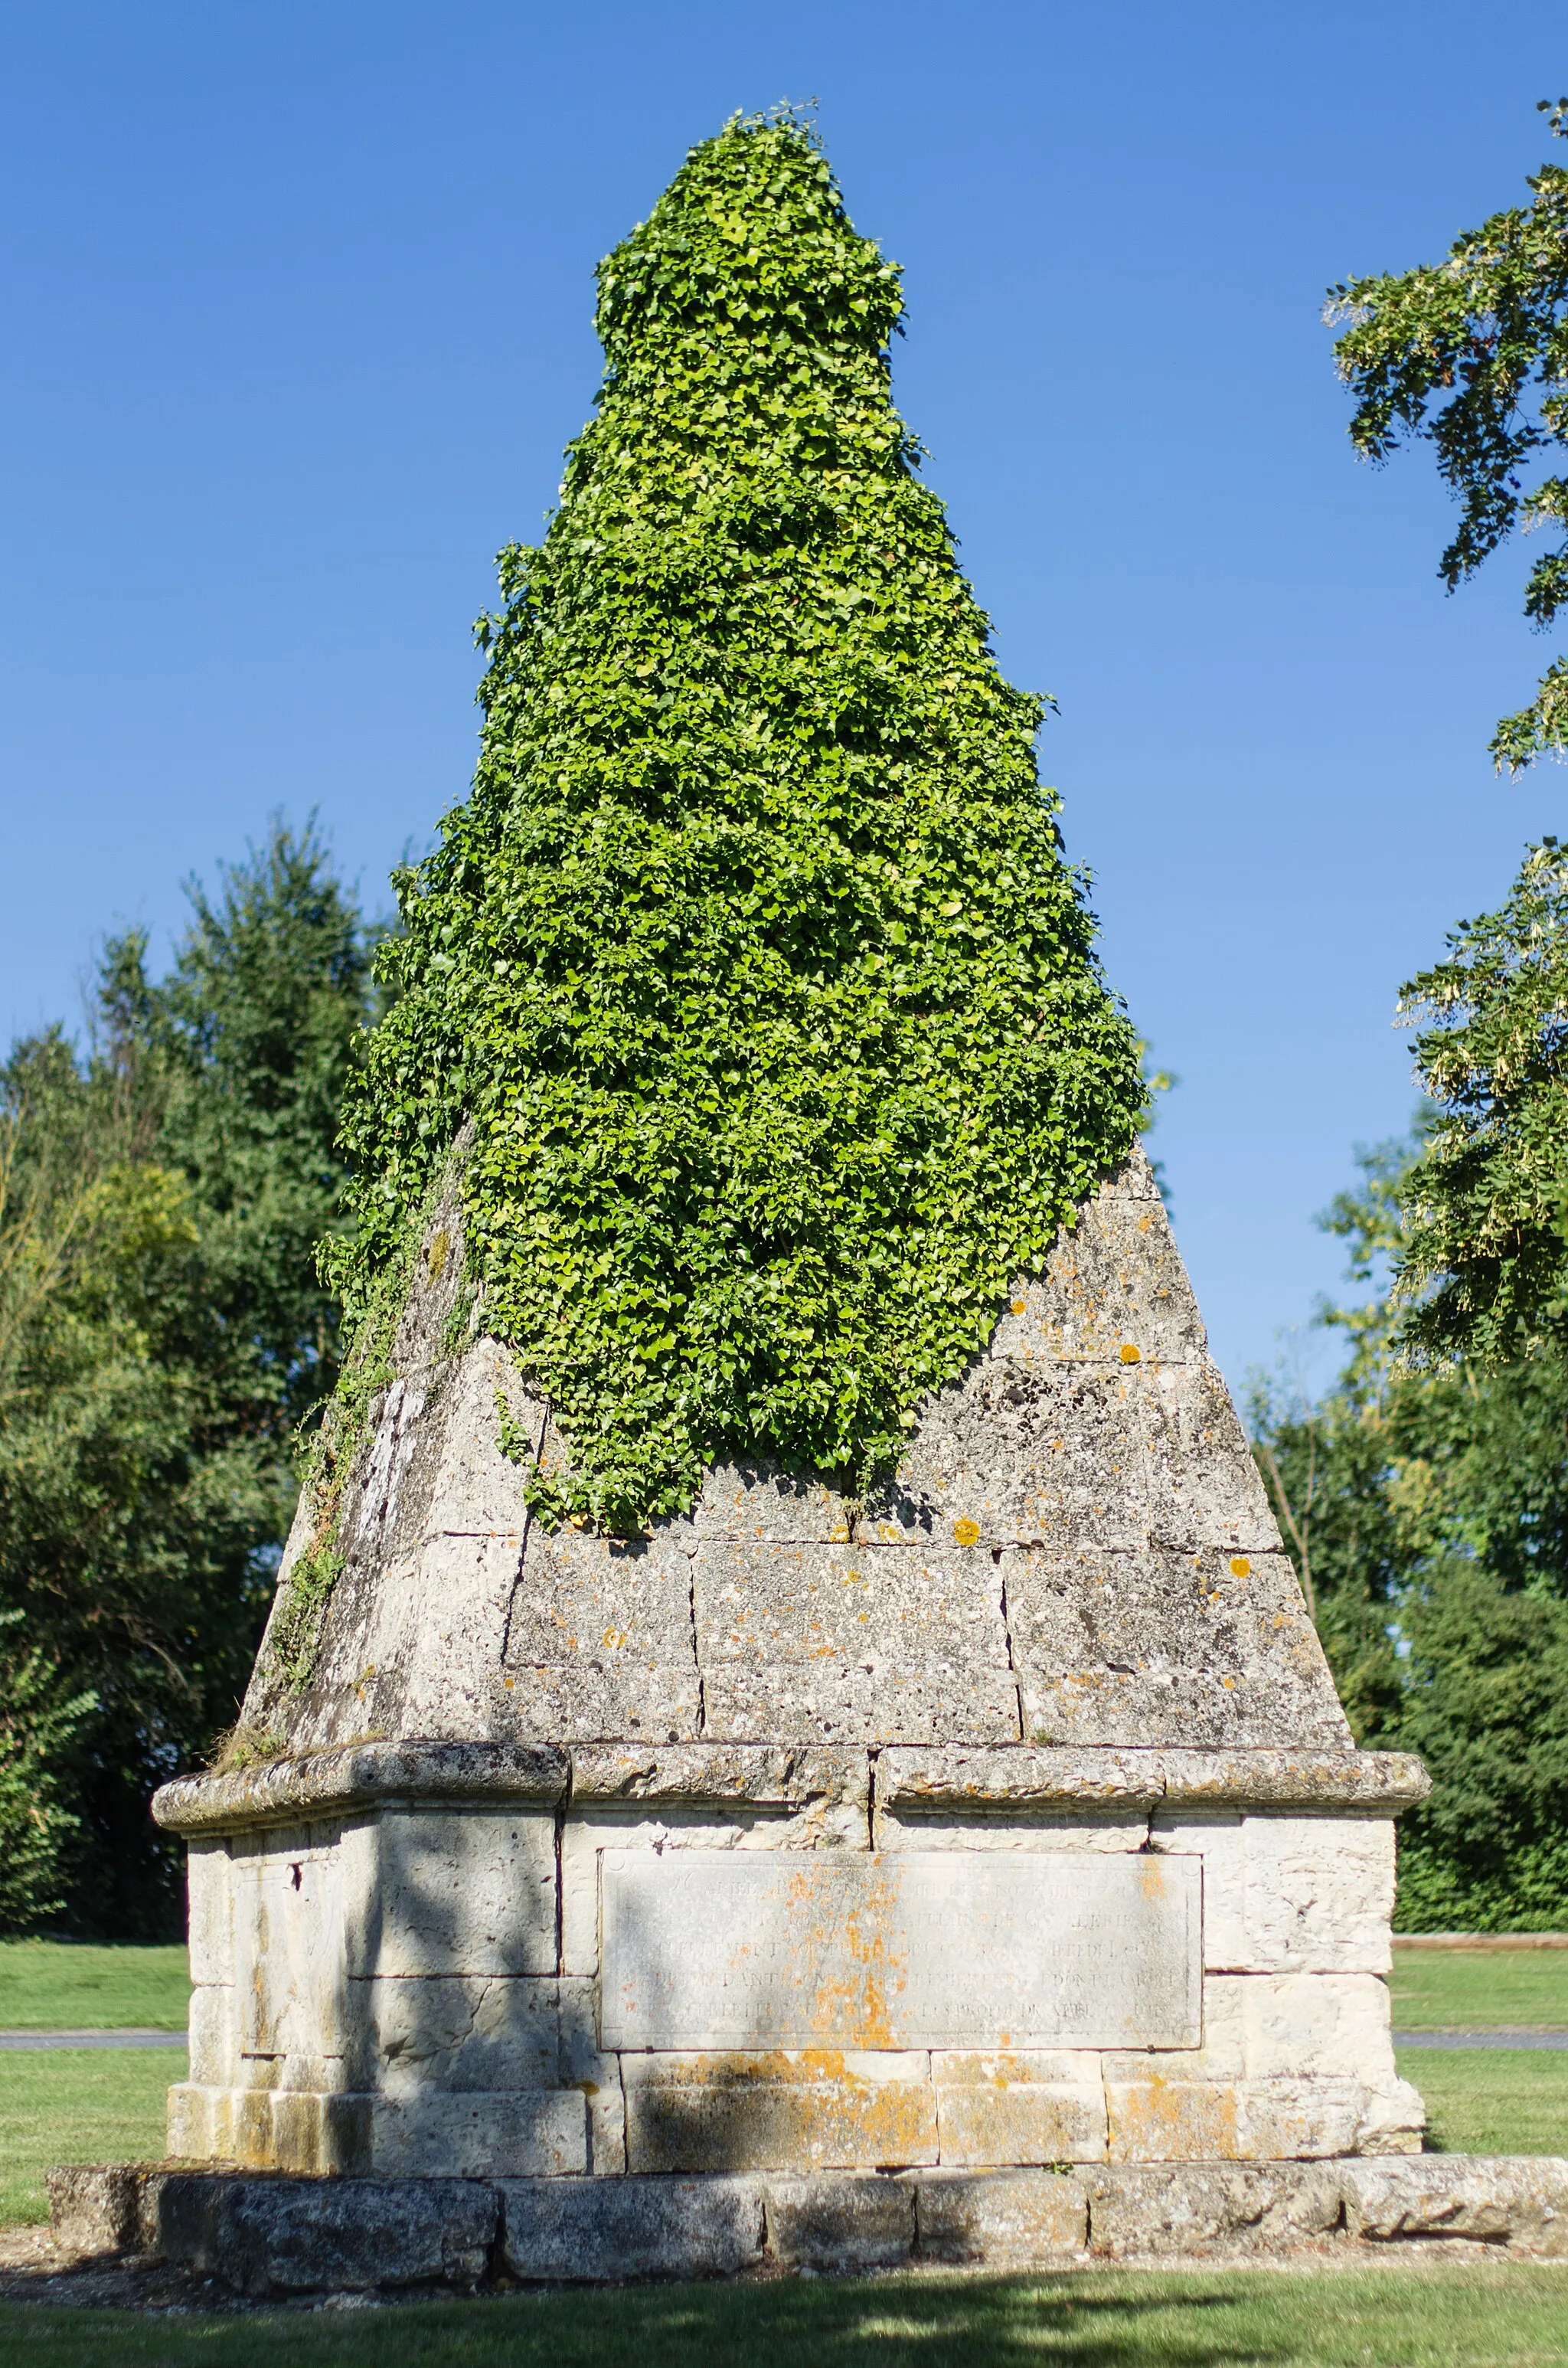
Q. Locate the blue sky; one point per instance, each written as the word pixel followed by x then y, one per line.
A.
pixel 299 307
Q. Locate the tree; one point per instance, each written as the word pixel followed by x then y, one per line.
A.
pixel 752 961
pixel 1483 1256
pixel 1472 355
pixel 1431 1506
pixel 162 1334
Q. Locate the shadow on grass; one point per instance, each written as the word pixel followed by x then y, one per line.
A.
pixel 1439 2314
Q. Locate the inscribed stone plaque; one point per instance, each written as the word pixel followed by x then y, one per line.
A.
pixel 732 1948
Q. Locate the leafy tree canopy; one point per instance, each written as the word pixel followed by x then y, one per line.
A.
pixel 753 956
pixel 1473 353
pixel 1428 1509
pixel 1481 1252
pixel 161 1333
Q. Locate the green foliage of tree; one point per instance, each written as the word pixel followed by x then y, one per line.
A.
pixel 753 956
pixel 162 1335
pixel 1484 1256
pixel 1472 355
pixel 1428 1506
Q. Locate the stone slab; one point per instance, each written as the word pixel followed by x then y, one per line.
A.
pixel 587 2231
pixel 283 2235
pixel 452 1890
pixel 868 1702
pixel 906 1949
pixel 854 2222
pixel 830 2115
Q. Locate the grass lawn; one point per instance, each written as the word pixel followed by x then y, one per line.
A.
pixel 70 2104
pixel 58 1986
pixel 1477 1989
pixel 1423 2319
pixel 1491 2099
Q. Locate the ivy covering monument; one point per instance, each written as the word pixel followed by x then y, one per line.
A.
pixel 753 960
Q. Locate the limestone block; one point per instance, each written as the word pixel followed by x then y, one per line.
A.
pixel 826 1786
pixel 764 1605
pixel 537 2133
pixel 1290 1894
pixel 600 1639
pixel 1036 2107
pixel 1017 2219
pixel 1317 2026
pixel 1023 1454
pixel 197 2127
pixel 585 2066
pixel 1315 2118
pixel 319 2133
pixel 587 2230
pixel 778 2111
pixel 460 2033
pixel 840 2223
pixel 675 1825
pixel 450 1891
pixel 753 1504
pixel 1008 1829
pixel 1140 1649
pixel 288 1923
pixel 955 1776
pixel 1518 2200
pixel 1171 2120
pixel 96 2208
pixel 1116 1281
pixel 212 1923
pixel 1204 1490
pixel 471 1485
pixel 411 1647
pixel 1221 2056
pixel 214 2036
pixel 861 1701
pixel 275 2235
pixel 1210 2207
pixel 736 1950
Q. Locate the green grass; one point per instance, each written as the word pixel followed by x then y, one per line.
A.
pixel 1476 1989
pixel 1493 2099
pixel 1478 2317
pixel 77 2104
pixel 58 1986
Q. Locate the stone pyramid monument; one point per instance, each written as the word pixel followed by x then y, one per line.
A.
pixel 902 1818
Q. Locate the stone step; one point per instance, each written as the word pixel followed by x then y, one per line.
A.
pixel 280 2234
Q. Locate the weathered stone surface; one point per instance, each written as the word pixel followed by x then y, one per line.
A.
pixel 770 1775
pixel 911 1778
pixel 267 2235
pixel 450 1891
pixel 667 1827
pixel 1021 1455
pixel 288 1943
pixel 1519 2201
pixel 454 2033
pixel 1142 1649
pixel 211 1911
pixel 358 1775
pixel 585 2066
pixel 1017 2108
pixel 1171 2120
pixel 411 1647
pixel 600 1643
pixel 1290 1894
pixel 589 2230
pixel 1204 1492
pixel 214 2036
pixel 861 1701
pixel 262 2129
pixel 1116 1281
pixel 1010 1830
pixel 1011 2219
pixel 747 1950
pixel 96 2207
pixel 1204 2207
pixel 754 1504
pixel 537 2132
pixel 778 2111
pixel 840 2223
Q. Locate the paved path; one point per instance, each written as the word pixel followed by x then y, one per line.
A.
pixel 92 2039
pixel 1480 2038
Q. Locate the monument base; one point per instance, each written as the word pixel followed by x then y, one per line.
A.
pixel 278 2236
